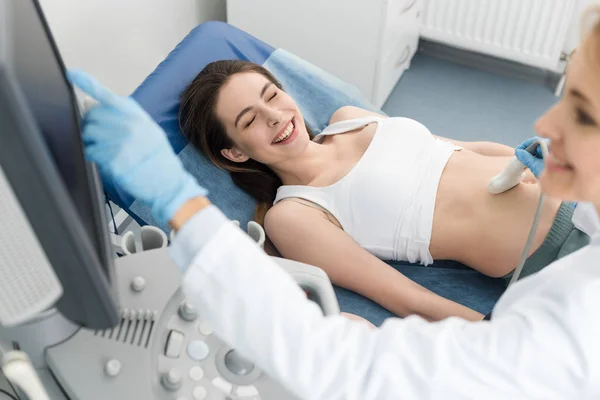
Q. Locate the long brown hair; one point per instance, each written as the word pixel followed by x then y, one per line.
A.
pixel 200 125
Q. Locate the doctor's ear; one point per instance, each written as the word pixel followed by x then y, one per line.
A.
pixel 234 155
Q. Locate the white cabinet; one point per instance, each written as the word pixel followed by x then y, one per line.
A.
pixel 368 43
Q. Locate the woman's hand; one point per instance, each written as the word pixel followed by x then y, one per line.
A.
pixel 535 162
pixel 133 151
pixel 357 318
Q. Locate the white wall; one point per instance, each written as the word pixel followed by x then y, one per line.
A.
pixel 121 41
pixel 573 37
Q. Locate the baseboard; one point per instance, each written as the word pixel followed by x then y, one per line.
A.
pixel 492 64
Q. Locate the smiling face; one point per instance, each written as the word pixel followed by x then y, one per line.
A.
pixel 263 121
pixel 572 171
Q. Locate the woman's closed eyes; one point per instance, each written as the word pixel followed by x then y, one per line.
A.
pixel 253 118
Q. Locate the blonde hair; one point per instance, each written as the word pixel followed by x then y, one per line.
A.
pixel 591 33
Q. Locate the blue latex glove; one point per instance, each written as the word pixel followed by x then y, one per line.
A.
pixel 535 162
pixel 130 148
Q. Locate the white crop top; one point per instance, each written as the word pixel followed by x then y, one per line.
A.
pixel 386 201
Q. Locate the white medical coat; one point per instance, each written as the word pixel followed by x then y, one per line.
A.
pixel 543 341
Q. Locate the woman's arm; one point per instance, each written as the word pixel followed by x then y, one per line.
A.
pixel 303 234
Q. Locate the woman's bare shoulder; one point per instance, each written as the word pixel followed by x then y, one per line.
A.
pixel 289 212
pixel 351 112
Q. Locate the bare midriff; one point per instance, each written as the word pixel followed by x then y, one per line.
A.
pixel 484 231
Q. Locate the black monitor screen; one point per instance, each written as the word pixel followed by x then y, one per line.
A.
pixel 42 156
pixel 41 77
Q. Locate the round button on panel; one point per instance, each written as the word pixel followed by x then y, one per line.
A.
pixel 112 368
pixel 198 350
pixel 199 393
pixel 238 364
pixel 196 374
pixel 187 311
pixel 138 284
pixel 205 328
pixel 171 380
pixel 235 369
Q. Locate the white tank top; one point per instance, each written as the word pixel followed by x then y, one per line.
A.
pixel 386 201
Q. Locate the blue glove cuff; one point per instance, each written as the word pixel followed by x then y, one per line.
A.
pixel 164 208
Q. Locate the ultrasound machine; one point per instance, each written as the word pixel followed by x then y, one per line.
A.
pixel 92 324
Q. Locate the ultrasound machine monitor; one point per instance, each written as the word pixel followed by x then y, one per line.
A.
pixel 43 168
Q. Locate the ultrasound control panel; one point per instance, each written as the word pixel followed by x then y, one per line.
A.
pixel 162 348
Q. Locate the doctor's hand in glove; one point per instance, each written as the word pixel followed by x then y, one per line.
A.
pixel 131 149
pixel 535 162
